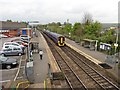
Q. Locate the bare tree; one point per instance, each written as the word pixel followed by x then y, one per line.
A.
pixel 87 18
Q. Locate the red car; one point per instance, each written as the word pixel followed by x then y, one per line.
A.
pixel 20 42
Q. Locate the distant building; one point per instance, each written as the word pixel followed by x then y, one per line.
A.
pixel 11 28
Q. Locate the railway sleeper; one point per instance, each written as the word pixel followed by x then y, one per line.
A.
pixel 92 74
pixel 105 84
pixel 101 81
pixel 96 76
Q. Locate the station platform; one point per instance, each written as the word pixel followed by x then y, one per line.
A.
pixel 95 56
pixel 40 67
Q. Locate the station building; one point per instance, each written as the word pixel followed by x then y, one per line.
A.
pixel 11 28
pixel 26 31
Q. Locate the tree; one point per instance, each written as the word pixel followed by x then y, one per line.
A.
pixel 77 29
pixel 68 28
pixel 87 19
pixel 110 36
pixel 9 20
pixel 93 29
pixel 58 23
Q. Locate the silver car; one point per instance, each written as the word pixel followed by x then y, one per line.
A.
pixel 12 51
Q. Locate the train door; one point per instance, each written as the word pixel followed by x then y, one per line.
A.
pixel 61 41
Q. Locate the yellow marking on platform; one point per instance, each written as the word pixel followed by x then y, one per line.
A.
pixel 44 84
pixel 22 83
pixel 84 54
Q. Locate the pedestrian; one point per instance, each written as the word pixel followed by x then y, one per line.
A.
pixel 41 54
pixel 31 53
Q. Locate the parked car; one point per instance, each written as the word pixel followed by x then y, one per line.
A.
pixel 3 36
pixel 8 63
pixel 20 42
pixel 25 41
pixel 13 44
pixel 12 51
pixel 25 37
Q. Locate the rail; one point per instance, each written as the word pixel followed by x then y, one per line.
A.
pixel 71 77
pixel 95 75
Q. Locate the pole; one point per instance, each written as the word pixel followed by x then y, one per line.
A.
pixel 28 43
pixel 96 45
pixel 116 45
pixel 116 41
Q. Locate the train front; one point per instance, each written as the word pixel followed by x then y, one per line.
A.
pixel 61 41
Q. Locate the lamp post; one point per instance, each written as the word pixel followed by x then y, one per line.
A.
pixel 96 41
pixel 116 45
pixel 28 43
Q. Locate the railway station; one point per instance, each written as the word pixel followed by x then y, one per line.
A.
pixel 55 44
pixel 62 66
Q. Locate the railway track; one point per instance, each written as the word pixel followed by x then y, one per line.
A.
pixel 71 77
pixel 103 82
pixel 78 73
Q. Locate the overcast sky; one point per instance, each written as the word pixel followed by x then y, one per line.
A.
pixel 46 11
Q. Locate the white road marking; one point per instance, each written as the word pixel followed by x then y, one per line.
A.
pixel 12 69
pixel 9 69
pixel 18 69
pixel 19 77
pixel 5 81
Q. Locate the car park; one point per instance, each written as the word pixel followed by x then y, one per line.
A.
pixel 6 62
pixel 12 51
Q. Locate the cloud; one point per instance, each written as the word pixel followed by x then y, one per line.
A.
pixel 47 11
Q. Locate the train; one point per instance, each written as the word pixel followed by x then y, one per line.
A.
pixel 57 38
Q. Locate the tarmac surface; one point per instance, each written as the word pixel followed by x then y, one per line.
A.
pixel 40 66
